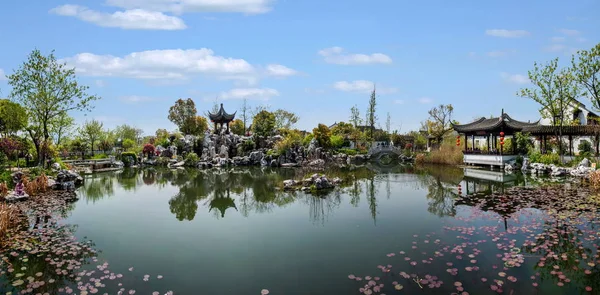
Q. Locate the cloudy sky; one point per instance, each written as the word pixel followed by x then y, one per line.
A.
pixel 316 58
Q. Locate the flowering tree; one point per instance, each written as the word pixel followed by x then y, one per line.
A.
pixel 10 146
pixel 148 150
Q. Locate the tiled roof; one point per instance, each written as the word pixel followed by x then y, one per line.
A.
pixel 484 124
pixel 221 116
pixel 580 130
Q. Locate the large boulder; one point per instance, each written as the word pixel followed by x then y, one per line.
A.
pixel 584 163
pixel 67 180
pixel 256 157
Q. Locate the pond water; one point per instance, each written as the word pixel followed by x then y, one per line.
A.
pixel 236 232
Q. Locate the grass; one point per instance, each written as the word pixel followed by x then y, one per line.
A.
pixel 447 154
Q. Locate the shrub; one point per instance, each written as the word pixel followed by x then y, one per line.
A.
pixel 100 156
pixel 291 139
pixel 248 145
pixel 585 147
pixel 273 153
pixel 550 159
pixel 323 135
pixel 191 159
pixel 128 158
pixel 336 141
pixel 349 152
pixel 306 140
pixel 595 179
pixel 148 150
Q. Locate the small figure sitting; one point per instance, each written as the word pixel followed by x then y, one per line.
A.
pixel 20 189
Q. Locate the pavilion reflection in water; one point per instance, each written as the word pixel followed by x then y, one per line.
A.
pixel 481 183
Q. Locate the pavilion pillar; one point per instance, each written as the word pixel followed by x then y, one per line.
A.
pixel 466 143
pixel 227 127
pixel 473 142
pixel 570 145
pixel 514 145
pixel 597 139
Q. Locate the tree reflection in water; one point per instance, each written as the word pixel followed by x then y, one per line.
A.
pixel 259 190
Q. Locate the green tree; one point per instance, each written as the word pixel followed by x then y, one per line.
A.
pixel 182 114
pixel 237 127
pixel 555 90
pixel 13 117
pixel 284 119
pixel 196 125
pixel 91 132
pixel 47 88
pixel 128 132
pixel 61 127
pixel 79 146
pixel 263 123
pixel 128 144
pixel 355 116
pixel 343 129
pixel 388 123
pixel 245 114
pixel 440 121
pixel 371 113
pixel 336 141
pixel 161 135
pixel 586 68
pixel 323 135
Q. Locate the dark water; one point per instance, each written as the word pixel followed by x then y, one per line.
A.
pixel 236 232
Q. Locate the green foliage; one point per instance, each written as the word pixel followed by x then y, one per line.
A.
pixel 128 132
pixel 586 69
pixel 182 114
pixel 585 147
pixel 322 135
pixel 349 152
pixel 196 125
pixel 273 153
pixel 47 89
pixel 306 140
pixel 128 158
pixel 263 123
pixel 343 129
pixel 61 126
pixel 78 146
pixel 99 156
pixel 161 136
pixel 524 143
pixel 381 135
pixel 284 119
pixel 13 117
pixel 355 118
pixel 91 131
pixel 537 157
pixel 248 145
pixel 336 141
pixel 291 138
pixel 371 112
pixel 127 144
pixel 439 122
pixel 191 159
pixel 447 154
pixel 105 145
pixel 237 127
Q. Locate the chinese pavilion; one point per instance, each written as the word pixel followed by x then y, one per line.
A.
pixel 493 131
pixel 221 118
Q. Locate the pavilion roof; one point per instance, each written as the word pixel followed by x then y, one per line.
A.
pixel 504 122
pixel 577 130
pixel 221 116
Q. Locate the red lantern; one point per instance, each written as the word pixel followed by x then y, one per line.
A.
pixel 502 141
pixel 502 133
pixel 458 142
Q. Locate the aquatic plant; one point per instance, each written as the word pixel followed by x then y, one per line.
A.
pixel 552 234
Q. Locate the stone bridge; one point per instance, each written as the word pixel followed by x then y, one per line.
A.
pixel 377 152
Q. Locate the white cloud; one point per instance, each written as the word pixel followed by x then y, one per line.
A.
pixel 188 6
pixel 361 86
pixel 136 99
pixel 557 39
pixel 569 32
pixel 336 55
pixel 160 64
pixel 2 75
pixel 249 93
pixel 515 78
pixel 560 48
pixel 399 101
pixel 507 33
pixel 135 19
pixel 425 100
pixel 280 71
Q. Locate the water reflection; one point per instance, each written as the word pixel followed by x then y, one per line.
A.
pixel 259 190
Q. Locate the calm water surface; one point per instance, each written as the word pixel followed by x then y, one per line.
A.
pixel 235 232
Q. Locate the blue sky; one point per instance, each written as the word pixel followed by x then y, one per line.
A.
pixel 315 58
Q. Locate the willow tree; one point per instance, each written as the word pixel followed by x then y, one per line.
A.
pixel 47 88
pixel 555 90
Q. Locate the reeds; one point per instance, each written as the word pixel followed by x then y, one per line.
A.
pixel 37 186
pixel 3 190
pixel 594 178
pixel 8 219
